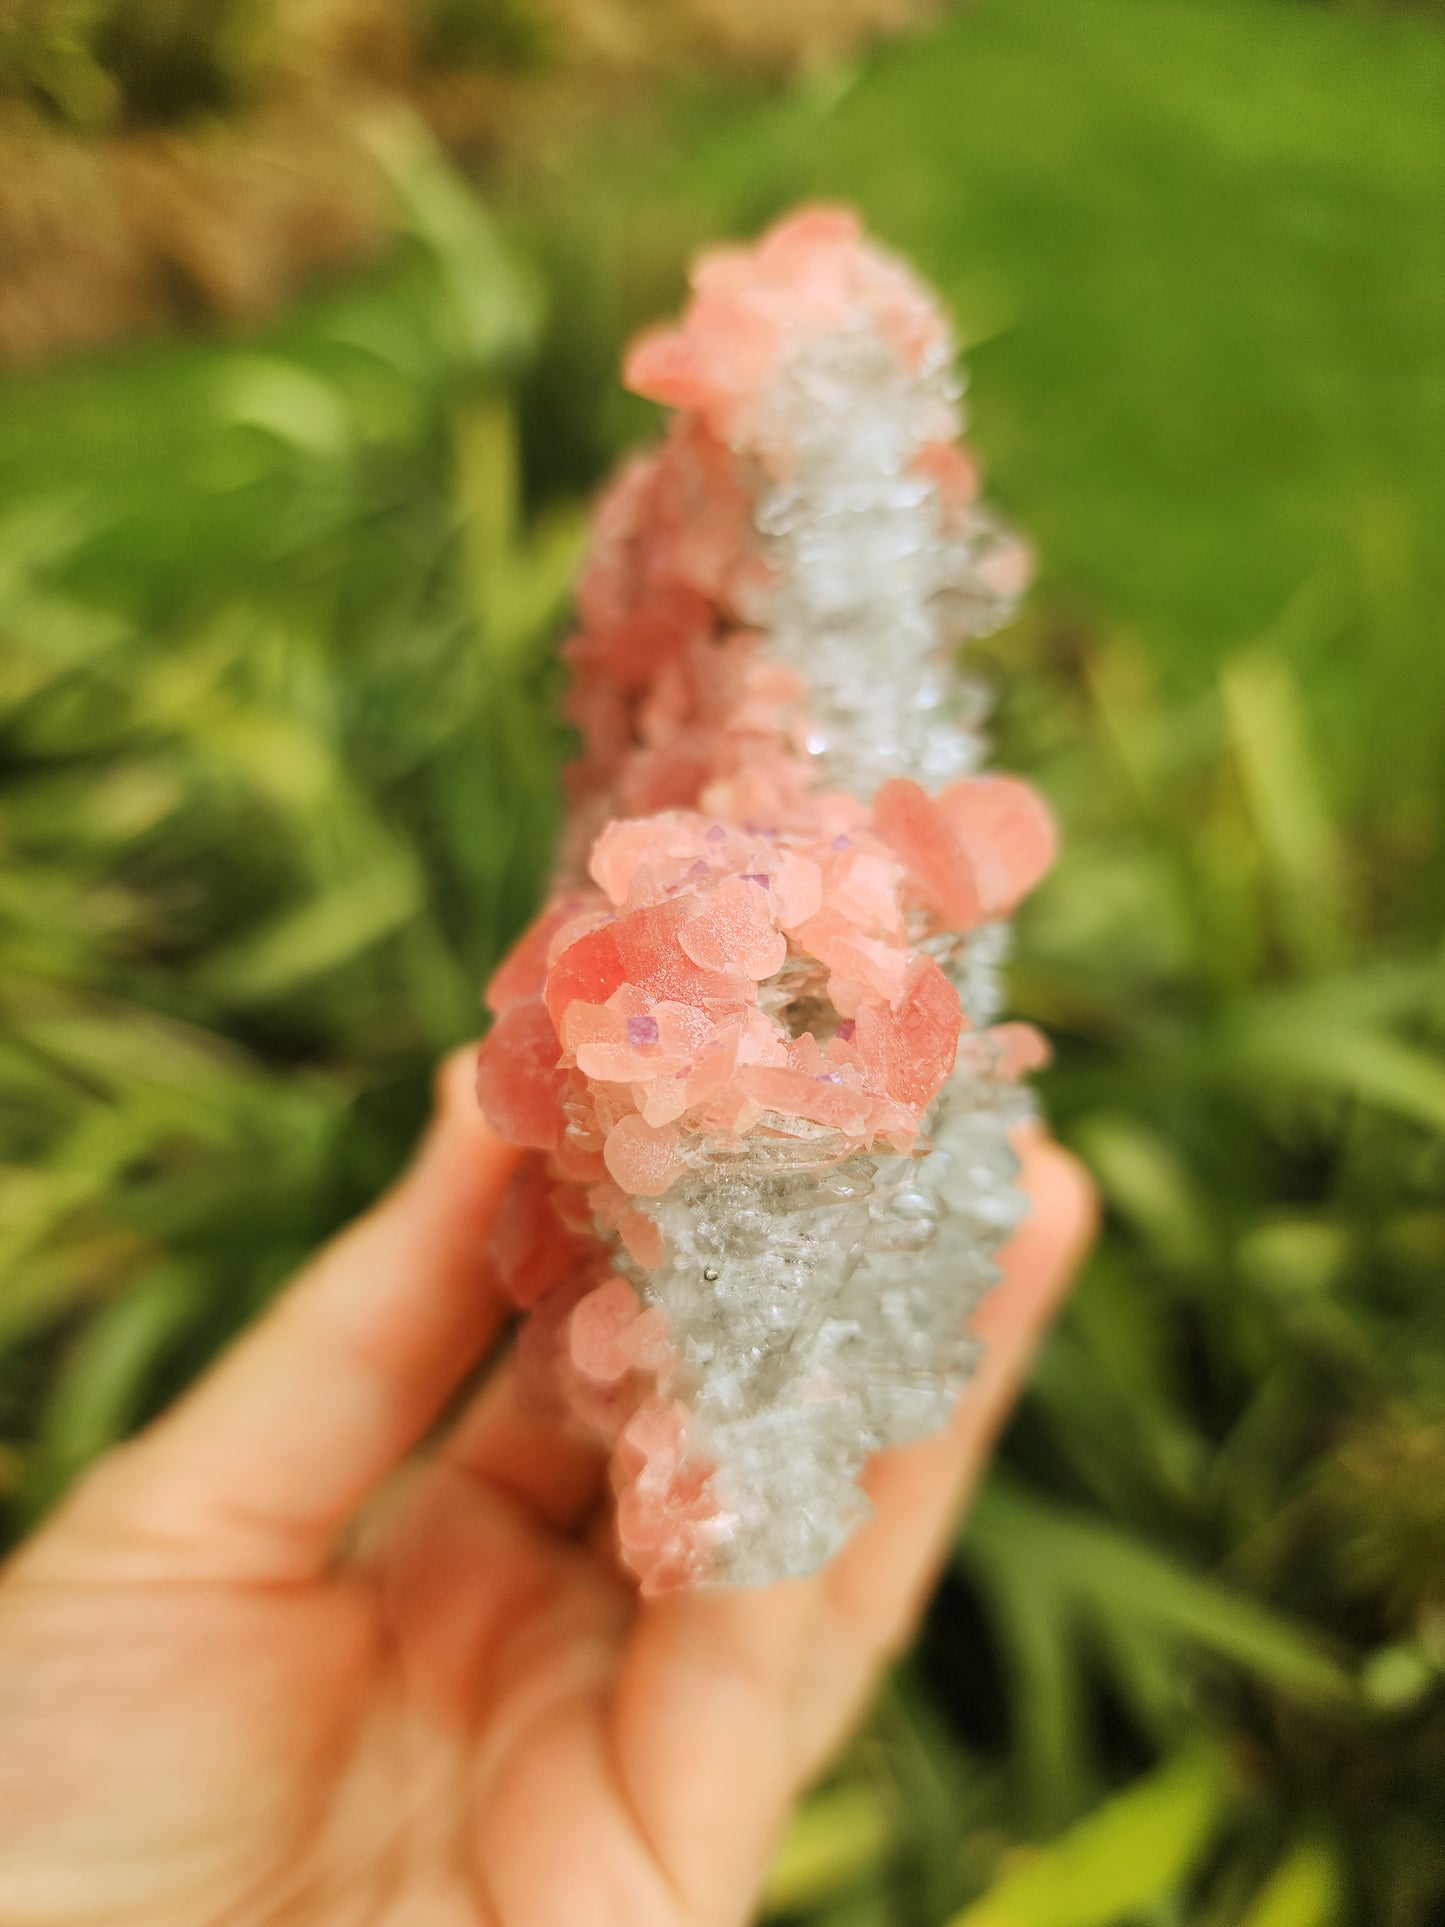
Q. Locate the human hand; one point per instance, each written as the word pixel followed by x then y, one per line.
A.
pixel 264 1667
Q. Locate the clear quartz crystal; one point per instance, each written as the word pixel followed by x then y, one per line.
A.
pixel 873 592
pixel 819 1310
pixel 756 1257
pixel 819 1316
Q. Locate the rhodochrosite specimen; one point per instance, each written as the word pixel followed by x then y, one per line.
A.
pixel 750 1043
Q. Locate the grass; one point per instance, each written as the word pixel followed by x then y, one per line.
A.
pixel 278 767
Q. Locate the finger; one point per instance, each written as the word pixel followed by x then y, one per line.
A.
pixel 705 1749
pixel 254 1473
pixel 525 1454
pixel 726 1697
pixel 873 1593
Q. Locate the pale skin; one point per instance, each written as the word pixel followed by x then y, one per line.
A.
pixel 272 1663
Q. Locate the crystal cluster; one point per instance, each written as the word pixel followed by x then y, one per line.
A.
pixel 750 1045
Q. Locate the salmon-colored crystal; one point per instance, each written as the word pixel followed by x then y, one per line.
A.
pixel 915 828
pixel 810 276
pixel 519 1082
pixel 1007 834
pixel 599 1328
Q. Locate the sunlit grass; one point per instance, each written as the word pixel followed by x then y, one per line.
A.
pixel 277 701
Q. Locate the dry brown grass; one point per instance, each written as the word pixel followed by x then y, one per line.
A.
pixel 143 230
pixel 141 233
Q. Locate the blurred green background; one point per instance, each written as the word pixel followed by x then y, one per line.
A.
pixel 278 607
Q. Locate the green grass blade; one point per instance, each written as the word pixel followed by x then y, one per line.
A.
pixel 1303 1891
pixel 1122 1580
pixel 837 1838
pixel 1129 1855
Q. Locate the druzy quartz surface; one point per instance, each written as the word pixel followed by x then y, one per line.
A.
pixel 751 1043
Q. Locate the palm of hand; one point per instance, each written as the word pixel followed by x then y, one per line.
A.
pixel 208 1714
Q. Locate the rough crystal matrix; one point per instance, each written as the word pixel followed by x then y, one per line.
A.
pixel 750 1043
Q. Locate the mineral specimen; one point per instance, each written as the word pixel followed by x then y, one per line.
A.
pixel 751 1043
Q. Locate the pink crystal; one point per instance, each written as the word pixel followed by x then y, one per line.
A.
pixel 1006 833
pixel 519 1084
